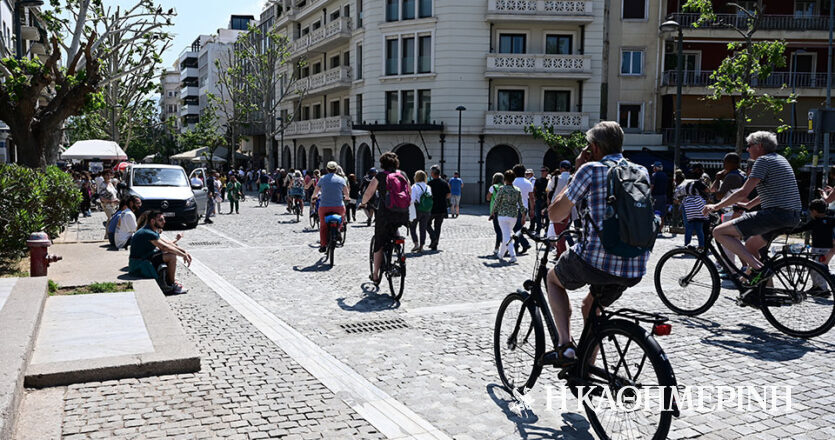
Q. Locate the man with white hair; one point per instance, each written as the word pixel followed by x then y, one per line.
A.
pixel 779 198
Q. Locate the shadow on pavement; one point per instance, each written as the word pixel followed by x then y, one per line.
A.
pixel 319 266
pixel 373 300
pixel 755 342
pixel 576 427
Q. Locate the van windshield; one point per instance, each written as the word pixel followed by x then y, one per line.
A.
pixel 159 177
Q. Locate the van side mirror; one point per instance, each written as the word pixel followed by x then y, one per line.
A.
pixel 196 187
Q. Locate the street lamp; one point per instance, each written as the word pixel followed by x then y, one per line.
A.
pixel 674 26
pixel 18 9
pixel 460 109
pixel 792 72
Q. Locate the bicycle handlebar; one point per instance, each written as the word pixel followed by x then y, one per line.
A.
pixel 567 234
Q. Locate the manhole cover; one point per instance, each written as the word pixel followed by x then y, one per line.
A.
pixel 206 243
pixel 374 326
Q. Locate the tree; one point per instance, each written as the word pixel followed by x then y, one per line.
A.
pixel 565 145
pixel 749 59
pixel 261 72
pixel 38 95
pixel 205 134
pixel 233 102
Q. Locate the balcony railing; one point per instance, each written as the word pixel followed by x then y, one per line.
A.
pixel 517 121
pixel 332 125
pixel 188 72
pixel 767 22
pixel 710 136
pixel 540 7
pixel 192 91
pixel 538 63
pixel 775 80
pixel 189 109
pixel 340 27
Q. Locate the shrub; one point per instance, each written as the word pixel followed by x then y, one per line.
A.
pixel 30 201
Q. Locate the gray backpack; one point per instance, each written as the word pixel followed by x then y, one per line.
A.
pixel 630 225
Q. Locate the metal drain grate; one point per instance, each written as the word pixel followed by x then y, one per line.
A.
pixel 374 326
pixel 206 243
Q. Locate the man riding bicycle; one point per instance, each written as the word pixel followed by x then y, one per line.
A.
pixel 388 220
pixel 264 181
pixel 295 191
pixel 333 189
pixel 779 199
pixel 588 263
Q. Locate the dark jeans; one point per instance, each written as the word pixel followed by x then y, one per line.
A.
pixel 422 222
pixel 351 212
pixel 539 220
pixel 498 231
pixel 521 241
pixel 435 227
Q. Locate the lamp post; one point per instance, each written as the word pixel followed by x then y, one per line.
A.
pixel 460 109
pixel 18 9
pixel 674 26
pixel 792 74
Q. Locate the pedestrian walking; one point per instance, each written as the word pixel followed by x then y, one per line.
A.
pixel 498 180
pixel 422 208
pixel 371 205
pixel 556 186
pixel 440 196
pixel 211 193
pixel 526 188
pixel 234 193
pixel 456 186
pixel 353 195
pixel 540 196
pixel 658 189
pixel 508 203
pixel 692 196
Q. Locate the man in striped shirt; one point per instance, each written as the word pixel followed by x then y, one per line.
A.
pixel 778 197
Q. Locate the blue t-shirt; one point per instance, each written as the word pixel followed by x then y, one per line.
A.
pixel 330 193
pixel 141 247
pixel 659 183
pixel 114 221
pixel 455 185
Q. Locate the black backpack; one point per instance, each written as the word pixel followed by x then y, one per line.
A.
pixel 630 225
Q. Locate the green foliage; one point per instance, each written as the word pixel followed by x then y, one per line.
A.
pixel 31 201
pixel 565 145
pixel 797 157
pixel 53 287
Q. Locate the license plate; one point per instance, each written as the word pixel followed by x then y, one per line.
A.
pixel 168 214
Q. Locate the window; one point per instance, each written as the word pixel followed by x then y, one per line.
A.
pixel 346 106
pixel 305 113
pixel 317 111
pixel 424 104
pixel 335 61
pixel 631 62
pixel 424 54
pixel 634 9
pixel 407 106
pixel 391 57
pixel 346 58
pixel 359 61
pixel 317 68
pixel 335 107
pixel 407 64
pixel 511 100
pixel 558 44
pixel 557 101
pixel 359 108
pixel 305 31
pixel 391 107
pixel 359 14
pixel 316 25
pixel 392 10
pixel 512 43
pixel 804 8
pixel 408 10
pixel 424 8
pixel 629 116
pixel 335 15
pixel 305 72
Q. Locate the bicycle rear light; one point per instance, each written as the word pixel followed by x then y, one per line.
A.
pixel 662 329
pixel 400 241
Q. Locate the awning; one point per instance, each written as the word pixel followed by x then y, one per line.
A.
pixel 94 149
pixel 204 151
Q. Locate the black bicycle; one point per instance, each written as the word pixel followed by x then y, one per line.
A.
pixel 797 300
pixel 314 214
pixel 336 235
pixel 298 207
pixel 616 357
pixel 264 198
pixel 393 267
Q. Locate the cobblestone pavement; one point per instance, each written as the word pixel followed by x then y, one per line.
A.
pixel 441 366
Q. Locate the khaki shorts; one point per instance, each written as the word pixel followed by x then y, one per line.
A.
pixel 574 273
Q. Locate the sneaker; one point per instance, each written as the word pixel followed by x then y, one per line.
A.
pixel 416 248
pixel 757 277
pixel 512 260
pixel 208 221
pixel 564 356
pixel 322 249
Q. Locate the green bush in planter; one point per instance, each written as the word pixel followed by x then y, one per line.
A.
pixel 32 200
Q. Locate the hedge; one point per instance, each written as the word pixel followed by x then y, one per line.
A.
pixel 30 201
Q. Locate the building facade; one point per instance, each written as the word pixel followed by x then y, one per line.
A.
pixel 170 96
pixel 382 76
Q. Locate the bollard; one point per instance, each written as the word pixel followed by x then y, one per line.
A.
pixel 38 259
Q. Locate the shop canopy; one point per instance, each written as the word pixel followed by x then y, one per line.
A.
pixel 94 149
pixel 200 154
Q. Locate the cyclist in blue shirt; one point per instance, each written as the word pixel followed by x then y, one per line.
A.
pixel 455 187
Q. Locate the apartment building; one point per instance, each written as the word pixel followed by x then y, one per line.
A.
pixel 641 81
pixel 169 101
pixel 198 69
pixel 382 76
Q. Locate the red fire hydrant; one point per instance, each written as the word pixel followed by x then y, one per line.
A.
pixel 38 258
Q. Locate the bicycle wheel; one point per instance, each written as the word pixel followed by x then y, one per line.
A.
pixel 314 219
pixel 331 245
pixel 628 381
pixel 298 210
pixel 518 341
pixel 687 281
pixel 266 199
pixel 792 303
pixel 396 272
pixel 371 257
